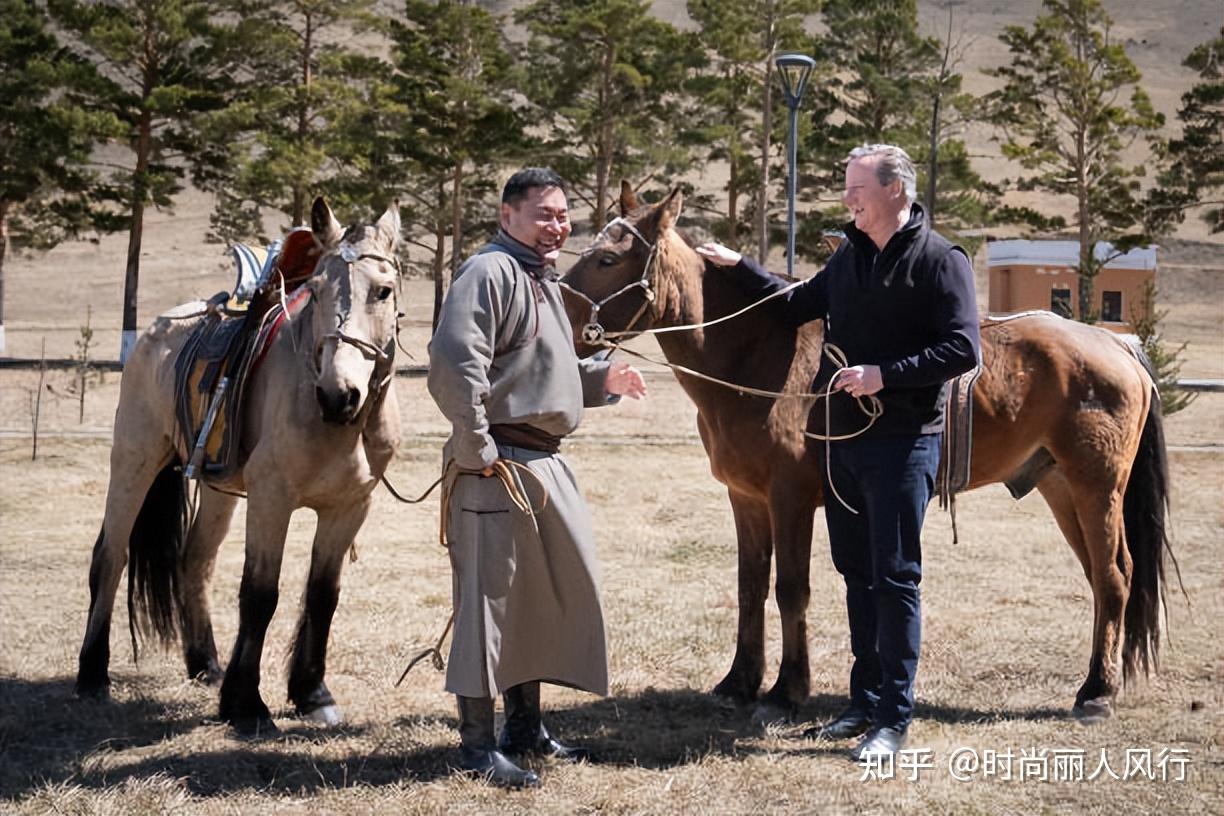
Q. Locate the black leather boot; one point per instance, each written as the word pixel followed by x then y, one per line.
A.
pixel 524 732
pixel 478 752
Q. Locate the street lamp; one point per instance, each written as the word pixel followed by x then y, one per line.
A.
pixel 794 69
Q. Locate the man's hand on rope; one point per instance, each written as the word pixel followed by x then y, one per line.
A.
pixel 860 381
pixel 625 381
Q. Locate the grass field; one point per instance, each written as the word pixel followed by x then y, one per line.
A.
pixel 1006 641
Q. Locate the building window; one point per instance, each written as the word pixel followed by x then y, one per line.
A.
pixel 1111 307
pixel 1060 301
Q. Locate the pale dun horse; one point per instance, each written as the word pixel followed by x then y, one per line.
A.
pixel 319 427
pixel 1050 389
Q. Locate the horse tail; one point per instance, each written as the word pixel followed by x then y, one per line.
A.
pixel 153 559
pixel 1145 508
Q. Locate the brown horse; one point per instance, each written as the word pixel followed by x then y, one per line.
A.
pixel 320 424
pixel 1049 389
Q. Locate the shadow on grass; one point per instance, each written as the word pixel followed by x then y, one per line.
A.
pixel 665 728
pixel 48 737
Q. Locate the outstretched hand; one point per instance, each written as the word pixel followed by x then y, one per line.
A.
pixel 626 381
pixel 718 254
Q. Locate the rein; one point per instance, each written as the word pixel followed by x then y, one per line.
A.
pixel 594 334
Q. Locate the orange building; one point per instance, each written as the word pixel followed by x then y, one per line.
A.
pixel 1026 275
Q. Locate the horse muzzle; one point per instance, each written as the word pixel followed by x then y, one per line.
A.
pixel 340 406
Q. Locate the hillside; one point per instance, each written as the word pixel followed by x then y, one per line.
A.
pixel 47 296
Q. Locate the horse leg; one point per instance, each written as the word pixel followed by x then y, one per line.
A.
pixel 211 524
pixel 792 536
pixel 135 465
pixel 334 535
pixel 755 548
pixel 1092 525
pixel 267 523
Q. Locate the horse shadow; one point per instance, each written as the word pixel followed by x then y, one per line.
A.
pixel 47 737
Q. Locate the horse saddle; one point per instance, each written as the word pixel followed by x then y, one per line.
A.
pixel 208 381
pixel 214 365
pixel 211 373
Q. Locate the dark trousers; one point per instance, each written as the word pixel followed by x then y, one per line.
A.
pixel 889 480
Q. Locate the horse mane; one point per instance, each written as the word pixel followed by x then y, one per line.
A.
pixel 682 295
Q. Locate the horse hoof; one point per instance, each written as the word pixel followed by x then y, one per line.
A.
pixel 767 715
pixel 94 694
pixel 328 715
pixel 254 727
pixel 733 690
pixel 210 678
pixel 1093 711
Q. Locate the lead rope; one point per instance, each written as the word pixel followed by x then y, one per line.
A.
pixel 870 405
pixel 504 470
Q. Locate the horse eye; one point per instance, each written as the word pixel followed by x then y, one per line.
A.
pixel 383 293
pixel 607 260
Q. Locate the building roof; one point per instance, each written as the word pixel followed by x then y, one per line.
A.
pixel 1064 253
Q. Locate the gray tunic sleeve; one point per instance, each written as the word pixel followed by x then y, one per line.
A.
pixel 461 353
pixel 594 372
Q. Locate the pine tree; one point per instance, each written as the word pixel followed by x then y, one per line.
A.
pixel 1062 119
pixel 1166 362
pixel 602 75
pixel 454 83
pixel 735 116
pixel 299 76
pixel 889 82
pixel 161 71
pixel 956 198
pixel 1193 174
pixel 48 191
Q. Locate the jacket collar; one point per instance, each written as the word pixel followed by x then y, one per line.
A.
pixel 905 234
pixel 526 257
pixel 890 257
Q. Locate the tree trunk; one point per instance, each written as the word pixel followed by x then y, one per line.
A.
pixel 303 124
pixel 1088 266
pixel 140 185
pixel 603 151
pixel 4 210
pixel 733 202
pixel 933 163
pixel 439 258
pixel 766 133
pixel 456 218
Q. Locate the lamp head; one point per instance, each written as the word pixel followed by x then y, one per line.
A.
pixel 794 69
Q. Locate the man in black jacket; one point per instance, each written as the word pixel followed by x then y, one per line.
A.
pixel 898 300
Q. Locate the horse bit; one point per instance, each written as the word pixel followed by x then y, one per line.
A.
pixel 593 333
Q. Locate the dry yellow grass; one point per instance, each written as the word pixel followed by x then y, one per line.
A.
pixel 1006 644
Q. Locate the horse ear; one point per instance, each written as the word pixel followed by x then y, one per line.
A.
pixel 327 230
pixel 669 209
pixel 628 198
pixel 388 225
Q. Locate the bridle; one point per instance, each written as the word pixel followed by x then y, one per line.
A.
pixel 382 357
pixel 593 333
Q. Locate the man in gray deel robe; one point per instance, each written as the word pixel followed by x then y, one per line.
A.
pixel 502 369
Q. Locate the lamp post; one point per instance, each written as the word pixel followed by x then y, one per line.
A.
pixel 794 69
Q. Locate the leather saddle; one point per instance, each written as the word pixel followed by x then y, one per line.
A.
pixel 224 350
